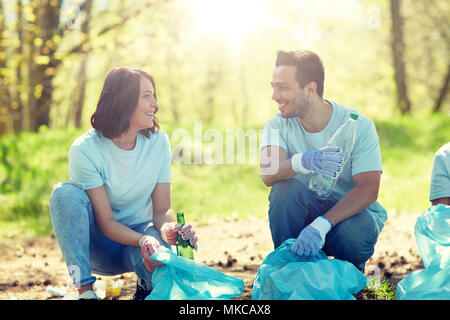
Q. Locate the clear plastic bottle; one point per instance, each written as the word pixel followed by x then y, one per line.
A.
pixel 344 137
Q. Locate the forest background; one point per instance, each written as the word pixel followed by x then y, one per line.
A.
pixel 213 62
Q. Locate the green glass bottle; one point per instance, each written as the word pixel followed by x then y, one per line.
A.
pixel 184 248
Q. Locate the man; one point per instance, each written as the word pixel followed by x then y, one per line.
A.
pixel 440 177
pixel 346 224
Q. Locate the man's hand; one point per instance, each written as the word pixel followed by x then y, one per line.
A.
pixel 324 161
pixel 149 246
pixel 312 238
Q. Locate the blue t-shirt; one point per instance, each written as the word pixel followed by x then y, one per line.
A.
pixel 440 176
pixel 293 138
pixel 129 177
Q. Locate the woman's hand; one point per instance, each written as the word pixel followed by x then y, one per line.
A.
pixel 149 246
pixel 170 231
pixel 188 234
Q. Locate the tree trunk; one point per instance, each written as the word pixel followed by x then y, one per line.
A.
pixel 244 90
pixel 5 100
pixel 81 83
pixel 443 92
pixel 213 77
pixel 17 108
pixel 45 70
pixel 173 99
pixel 398 49
pixel 80 92
pixel 172 67
pixel 38 64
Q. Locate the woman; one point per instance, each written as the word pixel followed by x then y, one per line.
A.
pixel 115 212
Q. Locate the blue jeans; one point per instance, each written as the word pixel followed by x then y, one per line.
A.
pixel 84 247
pixel 292 206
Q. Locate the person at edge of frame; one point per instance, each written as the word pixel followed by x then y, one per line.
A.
pixel 440 177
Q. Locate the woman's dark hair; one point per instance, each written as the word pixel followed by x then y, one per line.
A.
pixel 308 64
pixel 117 102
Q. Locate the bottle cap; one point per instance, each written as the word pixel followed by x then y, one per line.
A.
pixel 354 116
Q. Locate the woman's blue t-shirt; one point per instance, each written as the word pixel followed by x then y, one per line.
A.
pixel 129 177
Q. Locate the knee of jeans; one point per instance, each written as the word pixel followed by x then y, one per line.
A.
pixel 66 194
pixel 285 189
pixel 362 246
pixel 357 242
pixel 65 190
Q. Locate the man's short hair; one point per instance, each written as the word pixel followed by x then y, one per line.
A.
pixel 308 64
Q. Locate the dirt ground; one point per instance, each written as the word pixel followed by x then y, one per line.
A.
pixel 233 247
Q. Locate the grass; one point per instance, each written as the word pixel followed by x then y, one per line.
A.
pixel 377 290
pixel 30 163
pixel 408 145
pixel 217 191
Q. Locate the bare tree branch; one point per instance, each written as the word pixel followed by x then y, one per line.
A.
pixel 80 48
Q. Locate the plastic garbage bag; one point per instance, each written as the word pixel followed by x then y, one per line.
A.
pixel 56 291
pixel 426 284
pixel 66 293
pixel 286 276
pixel 432 232
pixel 185 279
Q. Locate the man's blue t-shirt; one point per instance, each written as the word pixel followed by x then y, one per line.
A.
pixel 440 176
pixel 129 177
pixel 290 135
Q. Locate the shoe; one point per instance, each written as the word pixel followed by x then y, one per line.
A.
pixel 88 295
pixel 140 293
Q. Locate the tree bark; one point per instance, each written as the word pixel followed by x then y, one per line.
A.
pixel 79 47
pixel 40 43
pixel 398 49
pixel 80 91
pixel 442 92
pixel 17 109
pixel 5 99
pixel 81 83
pixel 42 85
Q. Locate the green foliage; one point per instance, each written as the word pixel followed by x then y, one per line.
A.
pixel 219 191
pixel 379 290
pixel 408 145
pixel 30 163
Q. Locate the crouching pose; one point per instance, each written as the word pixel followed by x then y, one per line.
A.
pixel 294 148
pixel 115 211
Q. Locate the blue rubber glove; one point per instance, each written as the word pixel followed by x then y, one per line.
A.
pixel 312 238
pixel 322 161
